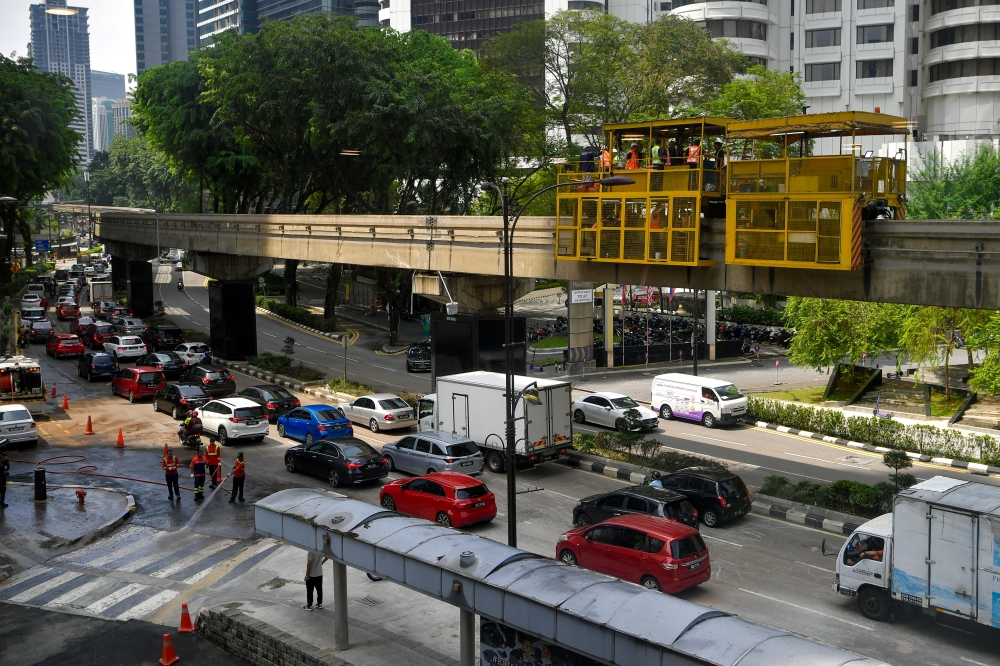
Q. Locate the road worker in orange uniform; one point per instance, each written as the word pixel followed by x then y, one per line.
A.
pixel 199 466
pixel 239 476
pixel 694 154
pixel 170 463
pixel 213 453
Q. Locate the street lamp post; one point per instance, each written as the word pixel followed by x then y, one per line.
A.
pixel 511 397
pixel 90 219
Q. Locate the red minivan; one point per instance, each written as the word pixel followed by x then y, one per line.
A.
pixel 655 553
pixel 138 382
pixel 447 498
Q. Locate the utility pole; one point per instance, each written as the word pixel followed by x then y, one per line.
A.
pixel 90 219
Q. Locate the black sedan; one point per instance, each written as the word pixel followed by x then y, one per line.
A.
pixel 277 400
pixel 344 461
pixel 216 380
pixel 418 358
pixel 169 363
pixel 179 399
pixel 646 500
pixel 97 365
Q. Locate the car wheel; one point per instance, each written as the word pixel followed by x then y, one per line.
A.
pixel 388 503
pixel 131 397
pixel 334 478
pixel 156 405
pixel 666 413
pixel 309 439
pixel 708 420
pixel 495 462
pixel 584 519
pixel 113 391
pixel 443 519
pixel 373 425
pixel 567 557
pixel 223 437
pixel 281 430
pixel 90 377
pixel 873 604
pixel 710 518
pixel 290 464
pixel 651 583
pixel 621 425
pixel 392 463
pixel 175 413
pixel 579 416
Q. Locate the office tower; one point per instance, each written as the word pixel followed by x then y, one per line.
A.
pixel 218 16
pixel 107 84
pixel 60 42
pixel 164 32
pixel 104 123
pixel 121 111
pixel 366 11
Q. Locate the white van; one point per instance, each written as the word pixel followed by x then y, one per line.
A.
pixel 710 401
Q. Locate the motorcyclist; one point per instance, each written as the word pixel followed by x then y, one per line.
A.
pixel 657 481
pixel 180 284
pixel 191 429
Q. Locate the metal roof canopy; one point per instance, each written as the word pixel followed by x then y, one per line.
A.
pixel 605 618
pixel 788 129
pixel 700 126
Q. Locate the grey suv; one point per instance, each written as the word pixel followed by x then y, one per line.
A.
pixel 432 451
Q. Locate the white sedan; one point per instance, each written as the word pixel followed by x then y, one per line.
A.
pixel 31 301
pixel 609 409
pixel 125 346
pixel 17 425
pixel 380 411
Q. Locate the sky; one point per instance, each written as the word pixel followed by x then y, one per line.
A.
pixel 112 32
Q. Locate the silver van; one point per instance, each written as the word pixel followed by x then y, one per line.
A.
pixel 432 451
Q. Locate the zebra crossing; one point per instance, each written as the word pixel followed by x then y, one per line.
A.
pixel 130 575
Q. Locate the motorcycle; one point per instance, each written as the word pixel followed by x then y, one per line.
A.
pixel 180 285
pixel 189 441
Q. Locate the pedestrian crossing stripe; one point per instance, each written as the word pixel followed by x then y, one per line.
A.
pixel 42 588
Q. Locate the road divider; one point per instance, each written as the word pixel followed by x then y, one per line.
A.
pixel 352 335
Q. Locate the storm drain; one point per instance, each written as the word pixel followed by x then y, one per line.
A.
pixel 369 601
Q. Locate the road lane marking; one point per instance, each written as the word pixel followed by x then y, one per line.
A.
pixel 79 592
pixel 148 606
pixel 714 439
pixel 973 661
pixel 42 588
pixel 808 610
pixel 805 564
pixel 271 335
pixel 115 597
pixel 832 462
pixel 118 553
pixel 25 575
pixel 731 543
pixel 193 558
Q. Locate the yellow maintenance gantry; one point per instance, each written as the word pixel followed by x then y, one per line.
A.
pixel 784 205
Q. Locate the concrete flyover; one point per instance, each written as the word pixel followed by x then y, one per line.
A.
pixel 923 262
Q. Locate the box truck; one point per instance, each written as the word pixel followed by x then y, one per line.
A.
pixel 101 291
pixel 473 404
pixel 938 551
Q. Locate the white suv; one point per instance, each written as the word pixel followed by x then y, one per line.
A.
pixel 234 418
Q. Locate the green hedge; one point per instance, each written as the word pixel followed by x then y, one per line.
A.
pixel 744 314
pixel 858 499
pixel 297 314
pixel 925 439
pixel 635 449
pixel 282 365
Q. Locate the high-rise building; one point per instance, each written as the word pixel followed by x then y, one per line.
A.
pixel 104 123
pixel 107 84
pixel 366 11
pixel 218 16
pixel 165 32
pixel 121 112
pixel 60 42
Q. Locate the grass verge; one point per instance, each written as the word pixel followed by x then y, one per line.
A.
pixel 809 395
pixel 282 365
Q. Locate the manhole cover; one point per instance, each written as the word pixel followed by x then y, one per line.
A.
pixel 369 601
pixel 855 460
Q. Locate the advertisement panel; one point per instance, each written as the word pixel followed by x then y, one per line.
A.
pixel 500 645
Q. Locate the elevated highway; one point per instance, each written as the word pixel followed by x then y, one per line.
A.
pixel 952 263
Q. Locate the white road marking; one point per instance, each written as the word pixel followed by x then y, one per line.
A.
pixel 808 610
pixel 714 439
pixel 731 543
pixel 194 557
pixel 973 661
pixel 268 334
pixel 832 462
pixel 115 597
pixel 148 606
pixel 41 589
pixel 25 575
pixel 805 564
pixel 135 565
pixel 79 592
pixel 198 576
pixel 116 553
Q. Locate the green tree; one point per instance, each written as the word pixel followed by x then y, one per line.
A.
pixel 965 188
pixel 985 334
pixel 932 334
pixel 897 460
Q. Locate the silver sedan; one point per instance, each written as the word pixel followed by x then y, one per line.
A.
pixel 380 411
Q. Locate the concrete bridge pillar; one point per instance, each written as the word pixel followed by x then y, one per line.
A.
pixel 140 287
pixel 119 271
pixel 475 294
pixel 228 267
pixel 233 319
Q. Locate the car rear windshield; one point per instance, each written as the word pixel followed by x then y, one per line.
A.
pixel 728 392
pixel 196 348
pixel 357 449
pixel 103 359
pixel 33 313
pixel 191 391
pixel 69 341
pixel 17 415
pixel 463 449
pixel 393 403
pixel 41 325
pixel 624 403
pixel 214 374
pixel 131 341
pixel 256 412
pixel 150 376
pixel 169 333
pixel 733 487
pixel 325 415
pixel 103 329
pixel 474 491
pixel 278 394
pixel 687 547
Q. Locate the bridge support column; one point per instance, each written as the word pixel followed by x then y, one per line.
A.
pixel 475 294
pixel 119 271
pixel 233 319
pixel 467 638
pixel 340 640
pixel 140 287
pixel 580 313
pixel 710 323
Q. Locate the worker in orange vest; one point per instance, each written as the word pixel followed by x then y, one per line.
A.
pixel 198 467
pixel 694 154
pixel 213 453
pixel 170 463
pixel 239 476
pixel 605 159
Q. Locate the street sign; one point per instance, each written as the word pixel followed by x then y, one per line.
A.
pixel 582 296
pixel 260 281
pixel 776 363
pixel 41 245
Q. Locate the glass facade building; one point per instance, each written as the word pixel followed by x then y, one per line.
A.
pixel 164 32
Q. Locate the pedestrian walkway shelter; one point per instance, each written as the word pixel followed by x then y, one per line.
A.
pixel 601 619
pixel 788 207
pixel 656 220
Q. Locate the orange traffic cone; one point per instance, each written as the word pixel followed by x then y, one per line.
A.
pixel 121 439
pixel 53 390
pixel 169 657
pixel 65 402
pixel 166 449
pixel 89 430
pixel 186 625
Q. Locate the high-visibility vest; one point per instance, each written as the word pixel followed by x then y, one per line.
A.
pixel 632 159
pixel 694 152
pixel 239 469
pixel 605 159
pixel 170 464
pixel 657 154
pixel 214 453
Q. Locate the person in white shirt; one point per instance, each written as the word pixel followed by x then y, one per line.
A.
pixel 314 579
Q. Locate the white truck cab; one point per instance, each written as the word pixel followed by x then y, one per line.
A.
pixel 862 567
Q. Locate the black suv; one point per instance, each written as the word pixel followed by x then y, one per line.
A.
pixel 418 358
pixel 97 365
pixel 214 379
pixel 164 337
pixel 646 500
pixel 275 399
pixel 179 399
pixel 719 496
pixel 169 363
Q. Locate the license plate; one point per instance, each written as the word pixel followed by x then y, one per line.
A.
pixel 693 566
pixel 371 465
pixel 910 599
pixel 478 505
pixel 252 423
pixel 467 464
pixel 15 429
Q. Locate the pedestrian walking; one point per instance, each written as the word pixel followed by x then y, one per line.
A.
pixel 239 476
pixel 170 463
pixel 314 580
pixel 213 454
pixel 199 465
pixel 4 471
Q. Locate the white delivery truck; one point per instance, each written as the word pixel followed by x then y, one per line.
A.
pixel 102 291
pixel 939 550
pixel 472 404
pixel 703 399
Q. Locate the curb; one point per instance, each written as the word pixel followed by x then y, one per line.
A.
pixel 130 508
pixel 974 468
pixel 302 327
pixel 287 382
pixel 615 469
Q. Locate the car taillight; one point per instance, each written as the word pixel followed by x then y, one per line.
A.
pixel 184 401
pixel 298 403
pixel 694 513
pixel 562 450
pixel 159 366
pixel 722 501
pixel 321 428
pixel 271 405
pixel 92 366
pixel 749 499
pixel 389 417
pixel 385 461
pixel 236 419
pixel 479 454
pixel 353 465
pixel 449 460
pixel 121 349
pixel 669 565
pixel 231 378
pixel 205 380
pixel 32 424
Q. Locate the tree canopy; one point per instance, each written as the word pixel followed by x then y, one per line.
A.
pixel 965 188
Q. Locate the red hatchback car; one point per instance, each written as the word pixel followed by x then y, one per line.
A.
pixel 655 553
pixel 447 498
pixel 138 382
pixel 97 334
pixel 68 311
pixel 64 344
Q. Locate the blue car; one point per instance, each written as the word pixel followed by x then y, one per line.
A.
pixel 314 422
